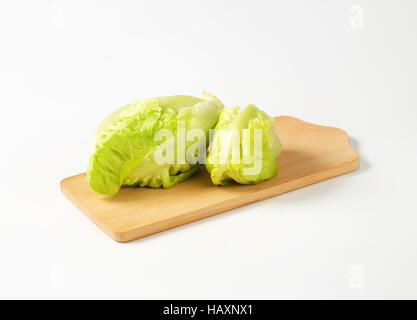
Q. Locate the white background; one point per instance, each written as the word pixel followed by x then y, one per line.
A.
pixel 351 64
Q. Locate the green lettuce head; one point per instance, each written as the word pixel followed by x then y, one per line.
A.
pixel 244 147
pixel 156 142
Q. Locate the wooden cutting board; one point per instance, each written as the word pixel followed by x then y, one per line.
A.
pixel 311 153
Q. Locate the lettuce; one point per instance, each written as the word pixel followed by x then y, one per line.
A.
pixel 127 147
pixel 244 147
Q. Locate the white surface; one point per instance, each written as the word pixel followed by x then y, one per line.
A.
pixel 65 65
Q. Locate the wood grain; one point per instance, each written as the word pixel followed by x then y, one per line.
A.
pixel 311 153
